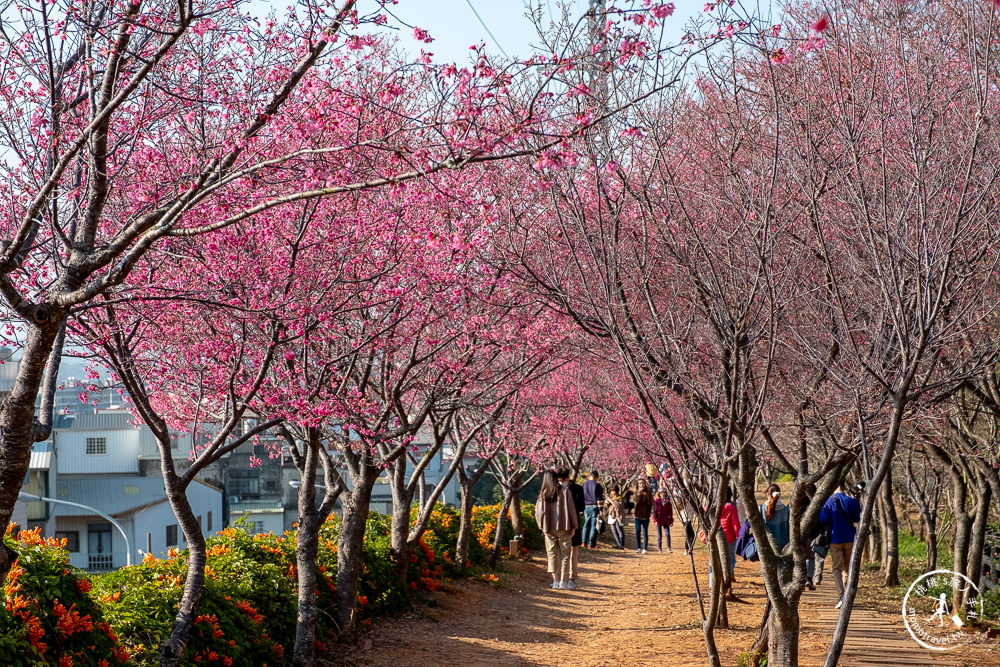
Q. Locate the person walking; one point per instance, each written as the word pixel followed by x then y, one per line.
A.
pixel 687 519
pixel 642 512
pixel 557 519
pixel 820 545
pixel 575 492
pixel 840 513
pixel 663 518
pixel 776 515
pixel 615 513
pixel 593 503
pixel 731 527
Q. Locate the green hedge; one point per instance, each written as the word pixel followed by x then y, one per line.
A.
pixel 50 615
pixel 55 615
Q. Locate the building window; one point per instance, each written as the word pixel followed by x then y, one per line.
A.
pixel 72 538
pixel 258 527
pixel 244 483
pixel 97 445
pixel 172 535
pixel 208 528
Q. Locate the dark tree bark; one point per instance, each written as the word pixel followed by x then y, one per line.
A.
pixel 466 482
pixel 464 525
pixel 309 455
pixel 19 427
pixel 350 541
pixel 516 515
pixel 491 561
pixel 977 532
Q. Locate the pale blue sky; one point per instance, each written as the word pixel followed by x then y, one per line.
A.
pixel 454 26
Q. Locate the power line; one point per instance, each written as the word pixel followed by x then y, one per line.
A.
pixel 486 28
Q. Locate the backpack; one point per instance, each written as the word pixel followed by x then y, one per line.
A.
pixel 745 545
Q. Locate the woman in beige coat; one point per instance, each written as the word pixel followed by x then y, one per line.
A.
pixel 557 519
pixel 615 515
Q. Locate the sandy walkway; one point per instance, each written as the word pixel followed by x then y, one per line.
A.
pixel 629 609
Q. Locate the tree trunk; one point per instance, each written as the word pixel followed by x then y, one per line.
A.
pixel 194 583
pixel 307 544
pixel 350 547
pixel 17 415
pixel 306 551
pixel 783 639
pixel 491 562
pixel 963 526
pixel 400 529
pixel 464 528
pixel 516 516
pixel 930 523
pixel 719 589
pixel 890 563
pixel 977 538
pixel 758 651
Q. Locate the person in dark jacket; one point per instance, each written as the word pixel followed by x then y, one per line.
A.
pixel 576 491
pixel 593 503
pixel 643 510
pixel 663 518
pixel 840 513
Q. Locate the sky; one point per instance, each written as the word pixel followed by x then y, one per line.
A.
pixel 454 25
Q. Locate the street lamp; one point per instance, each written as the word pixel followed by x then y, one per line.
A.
pixel 128 545
pixel 295 483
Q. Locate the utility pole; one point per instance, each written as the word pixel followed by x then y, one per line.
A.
pixel 597 19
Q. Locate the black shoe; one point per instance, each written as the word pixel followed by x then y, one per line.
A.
pixel 810 586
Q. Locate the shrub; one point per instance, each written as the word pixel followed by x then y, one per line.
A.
pixel 55 615
pixel 248 600
pixel 49 616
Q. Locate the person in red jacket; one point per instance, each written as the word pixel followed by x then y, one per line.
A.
pixel 731 527
pixel 663 518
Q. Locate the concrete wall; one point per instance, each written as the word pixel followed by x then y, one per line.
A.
pixel 121 457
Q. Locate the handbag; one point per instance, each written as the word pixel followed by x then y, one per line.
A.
pixel 612 520
pixel 600 526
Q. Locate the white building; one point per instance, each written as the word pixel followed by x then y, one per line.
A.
pixel 137 504
pixel 434 472
pixel 107 462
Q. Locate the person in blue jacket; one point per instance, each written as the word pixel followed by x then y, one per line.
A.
pixel 840 512
pixel 775 515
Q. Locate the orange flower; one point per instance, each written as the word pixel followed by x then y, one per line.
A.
pixel 65 661
pixel 84 585
pixel 71 622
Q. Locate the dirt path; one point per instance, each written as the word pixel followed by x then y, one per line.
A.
pixel 629 609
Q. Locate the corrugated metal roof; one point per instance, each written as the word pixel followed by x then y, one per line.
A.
pixel 40 461
pixel 255 507
pixel 112 494
pixel 100 421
